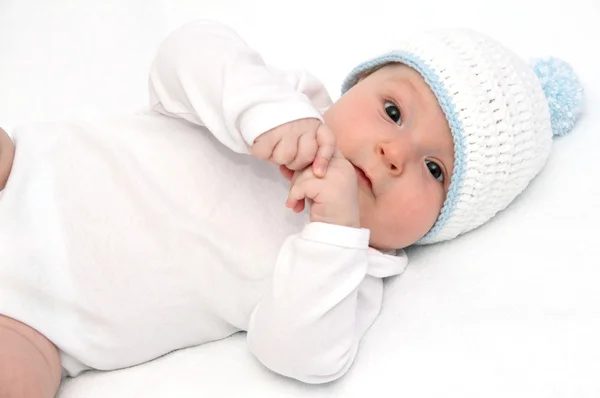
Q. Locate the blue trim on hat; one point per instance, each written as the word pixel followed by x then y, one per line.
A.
pixel 447 105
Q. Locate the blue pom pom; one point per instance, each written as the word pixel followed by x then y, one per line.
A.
pixel 563 92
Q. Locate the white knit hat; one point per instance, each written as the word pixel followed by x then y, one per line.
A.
pixel 502 112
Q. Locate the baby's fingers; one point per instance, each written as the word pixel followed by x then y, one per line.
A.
pixel 286 173
pixel 326 143
pixel 285 151
pixel 298 206
pixel 304 188
pixel 295 199
pixel 265 144
pixel 306 152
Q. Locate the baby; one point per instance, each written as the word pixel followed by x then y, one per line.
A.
pixel 123 240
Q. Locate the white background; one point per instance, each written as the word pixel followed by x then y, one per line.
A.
pixel 512 309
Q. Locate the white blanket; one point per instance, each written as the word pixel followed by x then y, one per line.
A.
pixel 511 309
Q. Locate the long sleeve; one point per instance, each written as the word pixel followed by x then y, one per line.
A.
pixel 206 74
pixel 326 292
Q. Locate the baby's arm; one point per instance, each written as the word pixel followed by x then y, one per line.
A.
pixel 326 293
pixel 205 73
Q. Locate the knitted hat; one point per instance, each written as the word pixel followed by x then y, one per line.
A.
pixel 502 112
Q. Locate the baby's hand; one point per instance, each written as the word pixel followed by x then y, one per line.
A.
pixel 296 145
pixel 332 199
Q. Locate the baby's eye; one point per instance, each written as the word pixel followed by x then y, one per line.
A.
pixel 393 112
pixel 435 170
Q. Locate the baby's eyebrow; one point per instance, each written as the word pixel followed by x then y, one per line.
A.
pixel 411 86
pixel 404 81
pixel 409 91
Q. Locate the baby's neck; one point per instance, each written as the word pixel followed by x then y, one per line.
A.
pixel 7 154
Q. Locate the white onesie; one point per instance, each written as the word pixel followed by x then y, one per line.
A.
pixel 123 240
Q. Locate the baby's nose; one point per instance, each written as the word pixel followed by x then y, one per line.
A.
pixel 393 156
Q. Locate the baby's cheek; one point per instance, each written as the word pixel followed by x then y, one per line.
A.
pixel 403 217
pixel 420 211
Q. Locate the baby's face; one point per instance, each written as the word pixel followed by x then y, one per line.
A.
pixel 391 127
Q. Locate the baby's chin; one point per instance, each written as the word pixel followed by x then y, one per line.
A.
pixel 387 244
pixel 389 237
pixel 387 240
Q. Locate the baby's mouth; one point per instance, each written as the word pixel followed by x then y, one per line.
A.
pixel 363 179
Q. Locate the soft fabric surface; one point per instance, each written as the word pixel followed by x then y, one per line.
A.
pixel 511 309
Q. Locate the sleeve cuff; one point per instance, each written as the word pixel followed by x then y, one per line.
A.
pixel 337 235
pixel 264 117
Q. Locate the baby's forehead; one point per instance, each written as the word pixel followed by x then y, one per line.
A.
pixel 398 70
pixel 410 82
